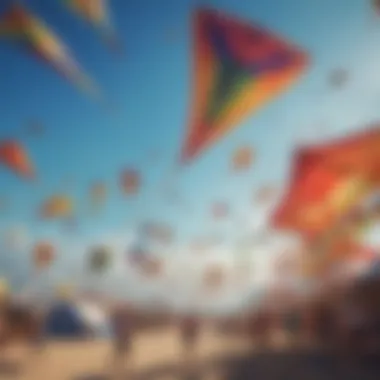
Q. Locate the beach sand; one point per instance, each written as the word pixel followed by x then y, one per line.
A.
pixel 91 360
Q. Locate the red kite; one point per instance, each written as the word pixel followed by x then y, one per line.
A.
pixel 43 254
pixel 328 180
pixel 13 155
pixel 237 69
pixel 130 181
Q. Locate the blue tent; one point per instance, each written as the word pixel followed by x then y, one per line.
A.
pixel 64 321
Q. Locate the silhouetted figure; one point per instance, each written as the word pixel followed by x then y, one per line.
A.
pixel 190 331
pixel 123 328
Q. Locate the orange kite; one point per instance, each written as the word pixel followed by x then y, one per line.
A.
pixel 328 181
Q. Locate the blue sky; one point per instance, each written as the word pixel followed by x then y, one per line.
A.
pixel 150 90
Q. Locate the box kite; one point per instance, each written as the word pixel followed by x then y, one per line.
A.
pixel 237 69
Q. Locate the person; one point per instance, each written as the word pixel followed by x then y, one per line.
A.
pixel 123 328
pixel 292 325
pixel 189 330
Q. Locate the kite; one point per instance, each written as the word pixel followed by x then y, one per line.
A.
pixel 214 276
pixel 328 181
pixel 238 68
pixel 143 260
pixel 34 128
pixel 242 158
pixel 43 254
pixel 376 5
pixel 220 210
pixel 152 267
pixel 57 207
pixel 338 78
pixel 99 259
pixel 130 181
pixel 265 194
pixel 98 194
pixel 24 27
pixel 14 156
pixel 158 232
pixel 97 14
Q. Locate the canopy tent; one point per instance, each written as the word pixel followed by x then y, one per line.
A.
pixel 64 321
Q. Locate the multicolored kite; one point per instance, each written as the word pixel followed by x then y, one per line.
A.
pixel 237 68
pixel 57 207
pixel 22 26
pixel 96 13
pixel 328 181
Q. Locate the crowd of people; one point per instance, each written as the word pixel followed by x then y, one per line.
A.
pixel 347 324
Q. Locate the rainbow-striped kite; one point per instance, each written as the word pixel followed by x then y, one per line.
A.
pixel 237 69
pixel 22 26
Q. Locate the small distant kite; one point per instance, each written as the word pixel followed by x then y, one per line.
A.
pixel 214 277
pixel 220 210
pixel 100 258
pixel 144 261
pixel 43 254
pixel 376 5
pixel 25 28
pixel 14 156
pixel 157 232
pixel 338 78
pixel 130 181
pixel 35 128
pixel 98 194
pixel 57 207
pixel 265 194
pixel 242 159
pixel 238 68
pixel 96 13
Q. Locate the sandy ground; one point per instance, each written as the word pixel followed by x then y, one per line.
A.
pixel 157 356
pixel 91 360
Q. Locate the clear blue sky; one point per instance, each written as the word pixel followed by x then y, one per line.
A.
pixel 150 88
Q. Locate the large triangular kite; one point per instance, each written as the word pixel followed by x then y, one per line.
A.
pixel 237 69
